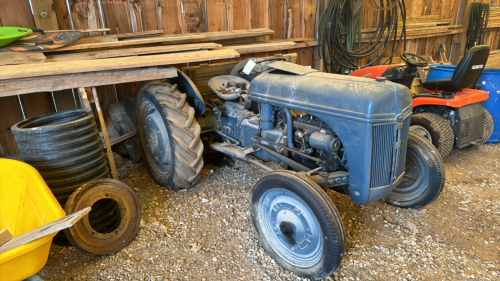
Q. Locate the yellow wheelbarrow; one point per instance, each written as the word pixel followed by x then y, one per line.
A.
pixel 26 203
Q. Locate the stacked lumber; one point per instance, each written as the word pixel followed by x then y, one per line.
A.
pixel 122 58
pixel 420 27
pixel 493 59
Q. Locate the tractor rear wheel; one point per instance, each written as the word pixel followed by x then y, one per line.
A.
pixel 435 129
pixel 488 126
pixel 424 175
pixel 297 224
pixel 169 135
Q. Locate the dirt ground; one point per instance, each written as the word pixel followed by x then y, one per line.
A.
pixel 205 233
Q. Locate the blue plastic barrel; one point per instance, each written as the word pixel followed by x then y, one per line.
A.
pixel 490 82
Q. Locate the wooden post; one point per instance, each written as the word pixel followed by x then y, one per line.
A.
pixel 105 134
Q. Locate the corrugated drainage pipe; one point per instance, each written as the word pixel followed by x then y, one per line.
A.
pixel 67 151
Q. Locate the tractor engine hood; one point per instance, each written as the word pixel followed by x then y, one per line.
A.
pixel 304 89
pixel 371 117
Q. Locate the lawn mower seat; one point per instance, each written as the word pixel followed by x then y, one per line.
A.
pixel 466 73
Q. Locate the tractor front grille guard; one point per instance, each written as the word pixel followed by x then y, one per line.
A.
pixel 389 152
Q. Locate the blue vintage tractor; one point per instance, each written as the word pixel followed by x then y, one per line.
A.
pixel 350 134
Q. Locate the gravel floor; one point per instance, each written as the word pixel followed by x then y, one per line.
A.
pixel 205 233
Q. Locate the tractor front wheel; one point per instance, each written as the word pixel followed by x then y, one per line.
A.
pixel 424 175
pixel 169 135
pixel 297 224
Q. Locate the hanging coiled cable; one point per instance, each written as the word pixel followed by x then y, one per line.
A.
pixel 478 20
pixel 340 40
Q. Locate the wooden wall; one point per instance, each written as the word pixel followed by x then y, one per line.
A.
pixel 288 18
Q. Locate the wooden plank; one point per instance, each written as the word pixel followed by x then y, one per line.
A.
pixel 170 13
pixel 139 34
pixel 5 236
pixel 44 230
pixel 172 39
pixel 62 82
pixel 276 18
pixel 297 17
pixel 121 138
pixel 258 14
pixel 111 159
pixel 21 57
pixel 194 16
pixel 16 13
pixel 269 47
pixel 217 15
pixel 82 66
pixel 130 52
pixel 36 104
pixel 117 16
pixel 239 14
pixel 88 30
pixel 144 15
pixel 96 39
pixel 64 100
pixel 44 14
pixel 83 15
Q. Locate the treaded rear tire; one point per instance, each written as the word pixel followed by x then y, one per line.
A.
pixel 488 126
pixel 183 164
pixel 439 129
pixel 424 180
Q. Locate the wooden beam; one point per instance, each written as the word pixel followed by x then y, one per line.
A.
pixel 269 47
pixel 131 52
pixel 172 39
pixel 61 82
pixel 111 159
pixel 139 34
pixel 39 232
pixel 18 72
pixel 88 30
pixel 119 139
pixel 21 58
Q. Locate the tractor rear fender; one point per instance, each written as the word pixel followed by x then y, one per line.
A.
pixel 187 86
pixel 466 97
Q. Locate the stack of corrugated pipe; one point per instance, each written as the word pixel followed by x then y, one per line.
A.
pixel 66 149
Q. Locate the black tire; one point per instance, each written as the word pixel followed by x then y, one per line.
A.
pixel 440 131
pixel 488 126
pixel 424 175
pixel 173 156
pixel 326 237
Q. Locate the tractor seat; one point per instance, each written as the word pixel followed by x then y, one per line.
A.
pixel 466 73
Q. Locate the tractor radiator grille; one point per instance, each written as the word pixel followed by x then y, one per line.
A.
pixel 388 158
pixel 383 148
pixel 402 149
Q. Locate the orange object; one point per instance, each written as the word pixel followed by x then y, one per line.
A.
pixel 466 97
pixel 374 71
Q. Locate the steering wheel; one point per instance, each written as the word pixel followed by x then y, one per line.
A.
pixel 414 60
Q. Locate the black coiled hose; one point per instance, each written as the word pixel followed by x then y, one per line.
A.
pixel 340 35
pixel 478 20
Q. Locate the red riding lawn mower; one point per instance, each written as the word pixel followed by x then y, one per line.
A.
pixel 450 113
